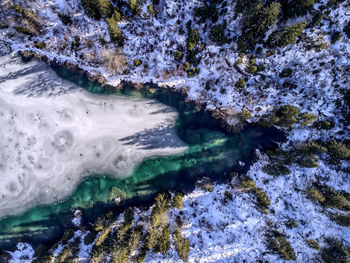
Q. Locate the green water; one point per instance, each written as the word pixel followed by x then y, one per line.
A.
pixel 211 153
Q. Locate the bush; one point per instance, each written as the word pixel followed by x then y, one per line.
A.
pixel 346 29
pixel 291 223
pixel 286 36
pixel 240 83
pixel 228 196
pixel 177 201
pixel 187 66
pixel 162 202
pixel 91 8
pixel 114 31
pixel 18 9
pixel 312 243
pixel 150 10
pixel 120 254
pixel 41 45
pixel 76 42
pixel 137 62
pixel 245 115
pixel 23 30
pixel 106 8
pixel 159 210
pixel 179 56
pixel 253 69
pixel 206 184
pixel 66 19
pixel 316 148
pixel 217 34
pixel 286 73
pixel 336 36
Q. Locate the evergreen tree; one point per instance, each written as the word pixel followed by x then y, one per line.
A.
pixel 177 201
pixel 286 36
pixel 114 31
pixel 97 8
pixel 338 150
pixel 258 18
pixel 106 8
pixel 297 7
pixel 134 6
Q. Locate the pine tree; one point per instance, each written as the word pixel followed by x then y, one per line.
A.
pixel 134 6
pixel 286 36
pixel 98 8
pixel 338 150
pixel 105 7
pixel 114 31
pixel 298 7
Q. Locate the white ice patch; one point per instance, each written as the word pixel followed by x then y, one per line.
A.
pixel 53 134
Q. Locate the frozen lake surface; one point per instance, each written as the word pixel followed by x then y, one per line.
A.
pixel 53 134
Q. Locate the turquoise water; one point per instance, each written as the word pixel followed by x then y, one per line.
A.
pixel 212 153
